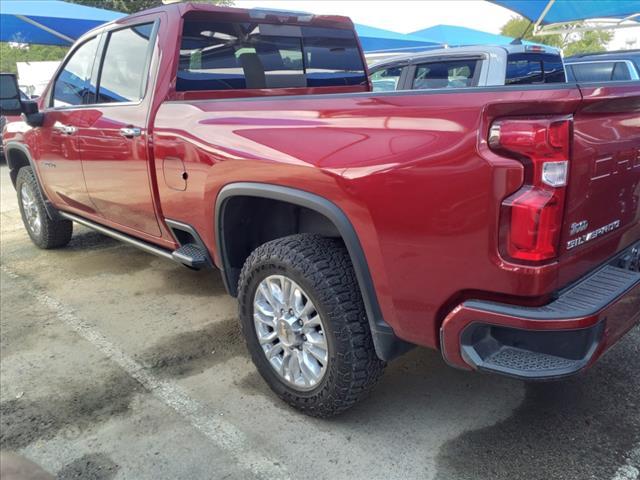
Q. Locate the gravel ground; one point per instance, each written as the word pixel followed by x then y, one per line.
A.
pixel 118 365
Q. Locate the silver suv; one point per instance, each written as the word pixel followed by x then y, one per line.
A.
pixel 473 66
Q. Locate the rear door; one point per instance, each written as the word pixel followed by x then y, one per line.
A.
pixel 114 139
pixel 602 213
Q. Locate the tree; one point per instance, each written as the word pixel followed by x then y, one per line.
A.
pixel 11 53
pixel 570 43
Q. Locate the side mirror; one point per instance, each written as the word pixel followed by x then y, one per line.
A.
pixel 10 103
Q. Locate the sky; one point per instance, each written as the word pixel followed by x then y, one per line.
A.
pixel 408 16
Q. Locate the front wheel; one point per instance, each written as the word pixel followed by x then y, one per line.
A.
pixel 305 324
pixel 44 232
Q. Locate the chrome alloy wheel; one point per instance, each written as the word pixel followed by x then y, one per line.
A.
pixel 290 332
pixel 30 209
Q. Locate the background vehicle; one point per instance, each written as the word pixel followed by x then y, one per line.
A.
pixel 604 67
pixel 469 67
pixel 6 119
pixel 499 225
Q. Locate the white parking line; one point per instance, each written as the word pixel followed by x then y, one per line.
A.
pixel 220 432
pixel 628 471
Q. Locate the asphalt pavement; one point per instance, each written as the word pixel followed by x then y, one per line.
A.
pixel 115 364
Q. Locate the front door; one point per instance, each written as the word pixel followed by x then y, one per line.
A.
pixel 113 142
pixel 58 160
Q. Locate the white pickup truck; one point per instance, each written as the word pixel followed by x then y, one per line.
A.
pixel 474 66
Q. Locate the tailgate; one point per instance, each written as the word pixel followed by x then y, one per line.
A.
pixel 602 213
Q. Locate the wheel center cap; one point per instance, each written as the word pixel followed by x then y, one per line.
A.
pixel 287 333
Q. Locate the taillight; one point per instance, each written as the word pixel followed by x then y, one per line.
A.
pixel 532 217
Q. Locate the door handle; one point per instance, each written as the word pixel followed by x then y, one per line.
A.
pixel 67 129
pixel 130 132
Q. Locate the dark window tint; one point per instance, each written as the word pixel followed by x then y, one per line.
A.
pixel 449 74
pixel 73 82
pixel 553 69
pixel 221 56
pixel 526 68
pixel 386 79
pixel 600 71
pixel 125 65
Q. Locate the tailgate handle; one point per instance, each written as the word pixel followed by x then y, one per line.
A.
pixel 130 132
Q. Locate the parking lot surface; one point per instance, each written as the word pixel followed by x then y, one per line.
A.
pixel 116 364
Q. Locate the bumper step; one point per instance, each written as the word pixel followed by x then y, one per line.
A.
pixel 550 341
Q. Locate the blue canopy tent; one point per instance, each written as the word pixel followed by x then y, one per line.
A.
pixel 547 14
pixel 454 36
pixel 380 40
pixel 49 22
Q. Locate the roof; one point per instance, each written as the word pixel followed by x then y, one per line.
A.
pixel 457 51
pixel 559 11
pixel 49 22
pixel 621 53
pixel 375 39
pixel 455 36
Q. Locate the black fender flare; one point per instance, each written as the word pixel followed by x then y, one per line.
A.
pixel 52 211
pixel 387 345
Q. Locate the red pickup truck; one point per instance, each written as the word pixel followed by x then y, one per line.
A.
pixel 500 225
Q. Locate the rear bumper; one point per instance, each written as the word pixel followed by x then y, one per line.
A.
pixel 551 341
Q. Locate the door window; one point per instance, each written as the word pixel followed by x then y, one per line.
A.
pixel 125 65
pixel 386 79
pixel 447 74
pixel 73 83
pixel 600 71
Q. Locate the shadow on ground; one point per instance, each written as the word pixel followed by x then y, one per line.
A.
pixel 580 428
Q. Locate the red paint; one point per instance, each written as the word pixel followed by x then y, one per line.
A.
pixel 412 172
pixel 619 317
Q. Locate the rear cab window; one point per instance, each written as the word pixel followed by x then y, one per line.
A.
pixel 217 55
pixel 529 68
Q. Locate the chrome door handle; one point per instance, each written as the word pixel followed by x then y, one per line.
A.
pixel 130 132
pixel 68 129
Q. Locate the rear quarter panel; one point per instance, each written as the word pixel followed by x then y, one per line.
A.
pixel 409 169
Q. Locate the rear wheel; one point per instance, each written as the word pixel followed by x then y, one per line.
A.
pixel 305 325
pixel 44 232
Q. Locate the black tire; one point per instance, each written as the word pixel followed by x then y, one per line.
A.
pixel 322 267
pixel 52 233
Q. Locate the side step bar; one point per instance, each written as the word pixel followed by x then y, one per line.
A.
pixel 181 255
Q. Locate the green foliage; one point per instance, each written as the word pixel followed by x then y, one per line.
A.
pixel 9 55
pixel 570 43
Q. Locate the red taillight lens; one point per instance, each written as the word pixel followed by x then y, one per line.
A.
pixel 532 216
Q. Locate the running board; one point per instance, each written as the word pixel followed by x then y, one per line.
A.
pixel 123 237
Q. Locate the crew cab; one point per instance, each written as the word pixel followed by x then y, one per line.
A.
pixel 499 225
pixel 473 66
